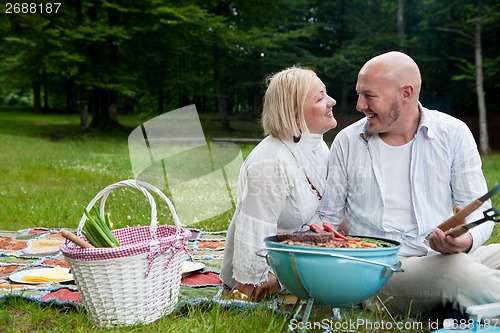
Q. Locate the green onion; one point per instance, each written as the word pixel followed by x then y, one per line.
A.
pixel 98 230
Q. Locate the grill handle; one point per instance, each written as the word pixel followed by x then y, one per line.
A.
pixel 389 269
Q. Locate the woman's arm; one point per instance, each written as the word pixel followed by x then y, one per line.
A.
pixel 263 194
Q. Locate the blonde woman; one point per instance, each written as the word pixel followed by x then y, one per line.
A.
pixel 282 181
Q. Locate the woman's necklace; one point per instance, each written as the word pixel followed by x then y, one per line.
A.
pixel 308 180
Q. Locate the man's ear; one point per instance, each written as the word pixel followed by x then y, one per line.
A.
pixel 407 92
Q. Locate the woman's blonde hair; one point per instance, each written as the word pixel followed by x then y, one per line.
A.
pixel 283 109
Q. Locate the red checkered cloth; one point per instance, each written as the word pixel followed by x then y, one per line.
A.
pixel 134 241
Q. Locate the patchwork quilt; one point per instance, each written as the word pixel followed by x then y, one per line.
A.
pixel 40 248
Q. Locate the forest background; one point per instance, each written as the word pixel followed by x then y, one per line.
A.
pixel 101 59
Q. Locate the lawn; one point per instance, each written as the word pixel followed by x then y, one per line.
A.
pixel 50 170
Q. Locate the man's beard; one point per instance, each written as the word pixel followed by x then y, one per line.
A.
pixel 393 116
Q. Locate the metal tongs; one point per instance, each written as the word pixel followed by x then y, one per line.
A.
pixel 491 214
pixel 453 221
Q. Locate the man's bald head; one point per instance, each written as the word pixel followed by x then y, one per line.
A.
pixel 394 67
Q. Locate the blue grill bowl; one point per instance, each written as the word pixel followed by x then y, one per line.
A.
pixel 333 277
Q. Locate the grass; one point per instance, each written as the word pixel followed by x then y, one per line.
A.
pixel 491 170
pixel 21 315
pixel 50 170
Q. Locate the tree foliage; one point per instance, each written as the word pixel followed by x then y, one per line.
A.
pixel 102 57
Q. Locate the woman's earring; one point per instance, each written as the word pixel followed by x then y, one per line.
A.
pixel 296 138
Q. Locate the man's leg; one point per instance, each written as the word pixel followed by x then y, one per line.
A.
pixel 430 284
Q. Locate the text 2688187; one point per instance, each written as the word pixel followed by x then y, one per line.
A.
pixel 32 8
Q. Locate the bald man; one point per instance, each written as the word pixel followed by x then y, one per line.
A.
pixel 397 174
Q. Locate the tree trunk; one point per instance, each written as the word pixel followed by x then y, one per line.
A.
pixel 220 94
pixel 83 108
pixel 99 102
pixel 106 100
pixel 113 107
pixel 37 98
pixel 46 107
pixel 104 109
pixel 70 96
pixel 161 100
pixel 478 54
pixel 222 9
pixel 82 99
pixel 484 145
pixel 256 103
pixel 400 25
pixel 344 95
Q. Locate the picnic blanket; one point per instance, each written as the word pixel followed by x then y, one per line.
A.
pixel 40 248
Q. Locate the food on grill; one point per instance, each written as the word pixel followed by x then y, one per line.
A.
pixel 317 228
pixel 328 227
pixel 328 237
pixel 350 243
pixel 305 236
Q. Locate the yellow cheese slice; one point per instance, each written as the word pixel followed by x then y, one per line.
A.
pixel 55 274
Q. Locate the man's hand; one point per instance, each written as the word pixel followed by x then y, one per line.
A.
pixel 438 241
pixel 447 244
pixel 270 287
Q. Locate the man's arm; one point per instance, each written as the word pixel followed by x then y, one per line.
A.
pixel 333 205
pixel 467 184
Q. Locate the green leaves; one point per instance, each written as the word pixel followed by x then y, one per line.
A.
pixel 98 230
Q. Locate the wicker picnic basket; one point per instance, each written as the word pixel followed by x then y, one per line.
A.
pixel 139 281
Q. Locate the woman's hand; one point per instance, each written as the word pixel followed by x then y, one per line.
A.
pixel 257 293
pixel 442 243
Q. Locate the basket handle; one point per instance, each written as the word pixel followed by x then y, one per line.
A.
pixel 142 187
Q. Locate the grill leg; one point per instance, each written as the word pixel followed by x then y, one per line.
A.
pixel 307 313
pixel 389 313
pixel 305 317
